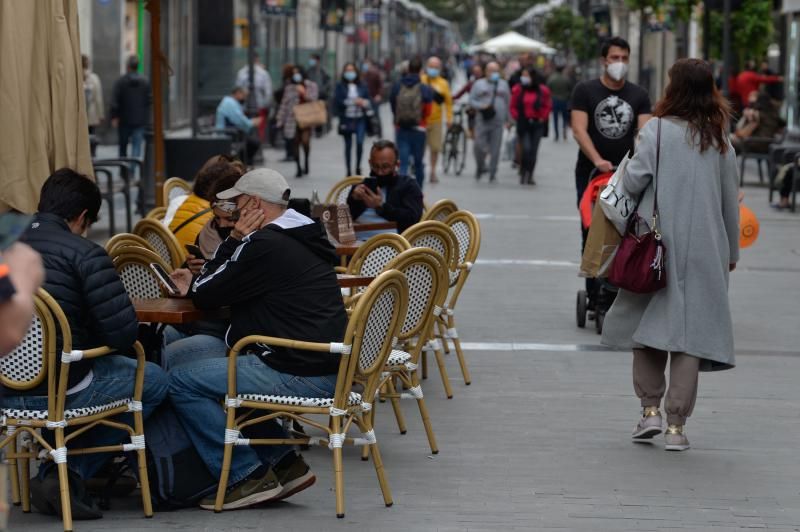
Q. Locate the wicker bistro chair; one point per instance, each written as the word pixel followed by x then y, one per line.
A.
pixel 175 186
pixel 440 210
pixel 426 274
pixel 124 240
pixel 468 234
pixel 371 335
pixel 339 192
pixel 440 238
pixel 161 240
pixel 156 213
pixel 34 362
pixel 133 266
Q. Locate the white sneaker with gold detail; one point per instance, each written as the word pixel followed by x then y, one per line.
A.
pixel 649 426
pixel 675 439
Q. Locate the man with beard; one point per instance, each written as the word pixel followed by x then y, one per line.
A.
pixel 385 195
pixel 230 113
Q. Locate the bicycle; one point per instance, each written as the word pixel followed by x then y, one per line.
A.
pixel 454 152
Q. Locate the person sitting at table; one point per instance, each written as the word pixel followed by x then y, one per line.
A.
pixel 217 229
pixel 385 195
pixel 81 278
pixel 275 272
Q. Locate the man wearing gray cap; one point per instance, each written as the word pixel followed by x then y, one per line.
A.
pixel 275 272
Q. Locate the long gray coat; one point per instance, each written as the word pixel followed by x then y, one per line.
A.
pixel 699 222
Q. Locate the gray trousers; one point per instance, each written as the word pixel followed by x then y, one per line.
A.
pixel 650 383
pixel 488 140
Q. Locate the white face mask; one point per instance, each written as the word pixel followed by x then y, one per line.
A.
pixel 617 71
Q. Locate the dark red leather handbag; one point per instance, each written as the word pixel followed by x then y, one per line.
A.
pixel 639 263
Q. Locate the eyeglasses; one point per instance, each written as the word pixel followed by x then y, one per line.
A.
pixel 382 167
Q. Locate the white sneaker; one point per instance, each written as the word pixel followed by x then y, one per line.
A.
pixel 675 439
pixel 649 426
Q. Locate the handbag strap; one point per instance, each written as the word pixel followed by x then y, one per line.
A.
pixel 191 219
pixel 655 178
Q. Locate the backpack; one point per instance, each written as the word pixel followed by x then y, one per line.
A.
pixel 178 476
pixel 408 106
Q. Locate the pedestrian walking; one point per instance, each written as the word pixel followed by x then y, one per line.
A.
pixel 688 321
pixel 442 107
pixel 491 97
pixel 530 108
pixel 93 92
pixel 299 90
pixel 411 104
pixel 130 108
pixel 352 104
pixel 560 88
pixel 316 73
pixel 262 91
pixel 476 73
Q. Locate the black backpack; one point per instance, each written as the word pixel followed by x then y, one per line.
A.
pixel 178 476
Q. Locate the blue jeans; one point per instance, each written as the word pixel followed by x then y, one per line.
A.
pixel 411 144
pixel 180 348
pixel 196 389
pixel 136 137
pixel 359 129
pixel 113 378
pixel 560 110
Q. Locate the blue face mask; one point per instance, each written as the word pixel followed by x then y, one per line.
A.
pixel 312 62
pixel 433 72
pixel 495 77
pixel 350 75
pixel 297 78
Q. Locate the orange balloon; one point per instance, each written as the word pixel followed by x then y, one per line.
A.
pixel 748 227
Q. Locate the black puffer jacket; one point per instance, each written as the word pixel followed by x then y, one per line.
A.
pixel 81 278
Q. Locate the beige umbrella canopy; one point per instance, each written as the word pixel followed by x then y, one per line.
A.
pixel 43 123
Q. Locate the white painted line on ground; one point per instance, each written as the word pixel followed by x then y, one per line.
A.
pixel 491 216
pixel 527 262
pixel 522 346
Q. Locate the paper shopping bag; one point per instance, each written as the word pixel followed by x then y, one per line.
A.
pixel 601 245
pixel 337 221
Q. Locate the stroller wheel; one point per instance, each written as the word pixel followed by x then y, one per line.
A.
pixel 601 316
pixel 580 309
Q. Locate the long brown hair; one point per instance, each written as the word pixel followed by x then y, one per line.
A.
pixel 693 96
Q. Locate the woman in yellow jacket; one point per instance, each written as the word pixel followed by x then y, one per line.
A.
pixel 195 211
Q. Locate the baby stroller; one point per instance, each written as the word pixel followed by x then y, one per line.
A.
pixel 596 299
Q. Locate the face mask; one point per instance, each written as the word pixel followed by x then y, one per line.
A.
pixel 617 71
pixel 525 80
pixel 297 78
pixel 224 232
pixel 350 75
pixel 433 72
pixel 364 67
pixel 312 62
pixel 384 179
pixel 495 77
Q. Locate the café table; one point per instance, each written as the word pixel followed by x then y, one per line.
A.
pixel 377 226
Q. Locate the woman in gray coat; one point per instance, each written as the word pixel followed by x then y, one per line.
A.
pixel 698 217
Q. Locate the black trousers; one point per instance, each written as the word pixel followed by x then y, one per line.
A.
pixel 529 135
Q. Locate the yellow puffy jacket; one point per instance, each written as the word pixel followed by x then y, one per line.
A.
pixel 193 205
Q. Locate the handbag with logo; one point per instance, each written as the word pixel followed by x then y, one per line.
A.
pixel 639 263
pixel 310 114
pixel 616 204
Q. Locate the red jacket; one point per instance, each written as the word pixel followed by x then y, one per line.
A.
pixel 749 81
pixel 528 101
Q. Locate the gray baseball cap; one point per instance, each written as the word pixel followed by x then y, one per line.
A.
pixel 265 183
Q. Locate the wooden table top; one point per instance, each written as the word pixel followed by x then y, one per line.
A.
pixel 377 226
pixel 352 281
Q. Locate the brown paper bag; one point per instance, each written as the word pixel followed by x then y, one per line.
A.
pixel 601 245
pixel 337 221
pixel 311 114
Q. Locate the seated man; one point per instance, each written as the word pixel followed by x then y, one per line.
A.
pixel 385 196
pixel 275 272
pixel 230 114
pixel 80 276
pixel 759 125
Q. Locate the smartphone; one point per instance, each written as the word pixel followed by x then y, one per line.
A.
pixel 165 279
pixel 372 184
pixel 194 250
pixel 12 225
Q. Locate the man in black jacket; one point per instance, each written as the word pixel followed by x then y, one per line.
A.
pixel 275 272
pixel 81 278
pixel 130 108
pixel 385 195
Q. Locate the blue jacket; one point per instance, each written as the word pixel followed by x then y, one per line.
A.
pixel 340 97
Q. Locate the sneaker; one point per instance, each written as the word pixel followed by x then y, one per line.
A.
pixel 675 439
pixel 649 426
pixel 248 492
pixel 294 474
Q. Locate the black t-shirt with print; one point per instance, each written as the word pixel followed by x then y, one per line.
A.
pixel 613 118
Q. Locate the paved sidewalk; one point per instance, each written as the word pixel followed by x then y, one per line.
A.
pixel 540 440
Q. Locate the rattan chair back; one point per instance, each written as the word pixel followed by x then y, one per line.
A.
pixel 157 213
pixel 126 240
pixel 133 266
pixel 175 186
pixel 339 192
pixel 162 241
pixel 373 255
pixel 26 366
pixel 440 210
pixel 467 231
pixel 438 237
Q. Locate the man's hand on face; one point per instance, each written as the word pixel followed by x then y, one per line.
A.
pixel 250 220
pixel 372 199
pixel 182 279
